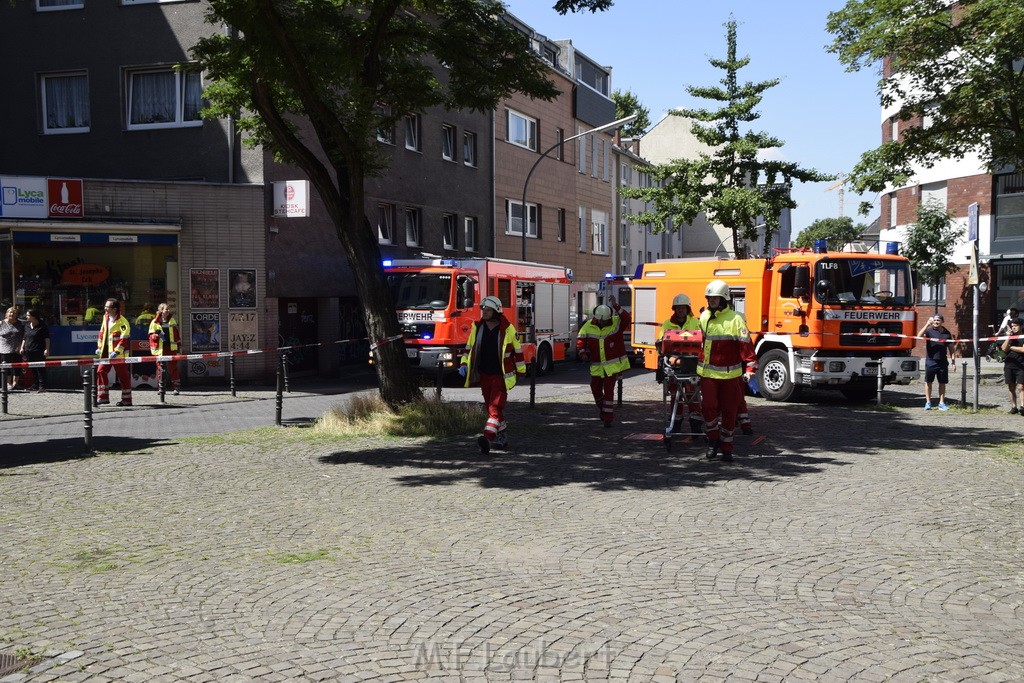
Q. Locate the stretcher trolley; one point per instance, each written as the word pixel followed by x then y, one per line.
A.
pixel 677 363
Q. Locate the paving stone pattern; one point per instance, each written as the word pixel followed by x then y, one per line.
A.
pixel 853 543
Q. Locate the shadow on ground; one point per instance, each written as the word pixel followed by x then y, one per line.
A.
pixel 58 450
pixel 558 443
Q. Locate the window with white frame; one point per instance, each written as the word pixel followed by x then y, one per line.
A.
pixel 413 235
pixel 560 228
pixel 599 232
pixel 624 235
pixel 514 214
pixel 385 131
pixel 412 132
pixel 522 130
pixel 469 148
pixel 892 210
pixel 448 142
pixel 386 223
pixel 65 103
pixel 560 144
pixel 164 98
pixel 583 229
pixel 469 233
pixel 450 231
pixel 933 294
pixel 626 175
pixel 52 5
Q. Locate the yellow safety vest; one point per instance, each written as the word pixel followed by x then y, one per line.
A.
pixel 512 361
pixel 609 361
pixel 724 336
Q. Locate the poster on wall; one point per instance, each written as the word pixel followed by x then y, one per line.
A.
pixel 243 288
pixel 242 331
pixel 205 332
pixel 205 287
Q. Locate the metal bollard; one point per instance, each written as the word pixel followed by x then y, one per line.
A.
pixel 880 384
pixel 533 382
pixel 280 389
pixel 440 379
pixel 87 408
pixel 3 389
pixel 963 385
pixel 231 365
pixel 619 388
pixel 284 370
pixel 161 379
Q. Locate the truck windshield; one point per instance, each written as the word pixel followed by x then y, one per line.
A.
pixel 420 290
pixel 863 282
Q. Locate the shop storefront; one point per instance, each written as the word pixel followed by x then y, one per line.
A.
pixel 65 270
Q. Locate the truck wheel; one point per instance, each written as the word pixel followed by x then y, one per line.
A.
pixel 775 380
pixel 545 361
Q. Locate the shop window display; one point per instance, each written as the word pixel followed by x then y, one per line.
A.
pixel 67 282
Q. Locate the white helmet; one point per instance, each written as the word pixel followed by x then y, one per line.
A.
pixel 718 288
pixel 491 302
pixel 680 300
pixel 602 313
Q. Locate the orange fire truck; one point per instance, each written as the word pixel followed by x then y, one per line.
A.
pixel 816 319
pixel 438 299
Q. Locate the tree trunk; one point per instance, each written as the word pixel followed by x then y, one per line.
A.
pixel 398 383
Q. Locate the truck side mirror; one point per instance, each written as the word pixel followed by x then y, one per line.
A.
pixel 801 281
pixel 466 292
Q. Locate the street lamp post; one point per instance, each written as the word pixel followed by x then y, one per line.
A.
pixel 526 183
pixel 526 216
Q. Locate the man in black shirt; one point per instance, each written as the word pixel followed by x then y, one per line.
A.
pixel 938 356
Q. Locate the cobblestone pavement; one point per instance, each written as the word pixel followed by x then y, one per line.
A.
pixel 852 542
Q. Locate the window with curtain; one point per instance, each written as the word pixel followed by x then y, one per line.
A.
pixel 470 233
pixel 448 142
pixel 385 223
pixel 412 227
pixel 50 5
pixel 450 231
pixel 164 98
pixel 469 148
pixel 65 100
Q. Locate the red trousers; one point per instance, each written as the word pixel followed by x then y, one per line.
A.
pixel 495 398
pixel 172 370
pixel 603 389
pixel 720 400
pixel 124 378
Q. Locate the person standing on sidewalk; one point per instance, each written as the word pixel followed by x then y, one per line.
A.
pixel 938 356
pixel 114 342
pixel 36 346
pixel 1013 365
pixel 492 359
pixel 600 343
pixel 726 359
pixel 12 334
pixel 164 340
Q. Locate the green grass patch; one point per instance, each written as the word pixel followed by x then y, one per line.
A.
pixel 302 558
pixel 1012 451
pixel 429 417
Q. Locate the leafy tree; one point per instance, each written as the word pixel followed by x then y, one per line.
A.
pixel 836 230
pixel 564 6
pixel 626 104
pixel 731 185
pixel 957 64
pixel 930 242
pixel 313 81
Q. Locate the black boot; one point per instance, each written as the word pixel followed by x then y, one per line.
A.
pixel 712 450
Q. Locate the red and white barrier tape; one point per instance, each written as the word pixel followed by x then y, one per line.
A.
pixel 131 360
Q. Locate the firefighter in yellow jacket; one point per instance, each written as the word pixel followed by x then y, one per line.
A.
pixel 164 340
pixel 600 343
pixel 114 342
pixel 726 359
pixel 492 359
pixel 683 320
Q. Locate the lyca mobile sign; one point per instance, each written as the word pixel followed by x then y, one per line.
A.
pixel 30 197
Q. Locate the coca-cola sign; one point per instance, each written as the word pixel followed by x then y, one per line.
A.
pixel 65 198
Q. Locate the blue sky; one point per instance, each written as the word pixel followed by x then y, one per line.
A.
pixel 825 116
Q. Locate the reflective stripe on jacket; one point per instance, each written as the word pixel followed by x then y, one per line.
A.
pixel 158 346
pixel 727 348
pixel 690 323
pixel 512 360
pixel 116 344
pixel 605 345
